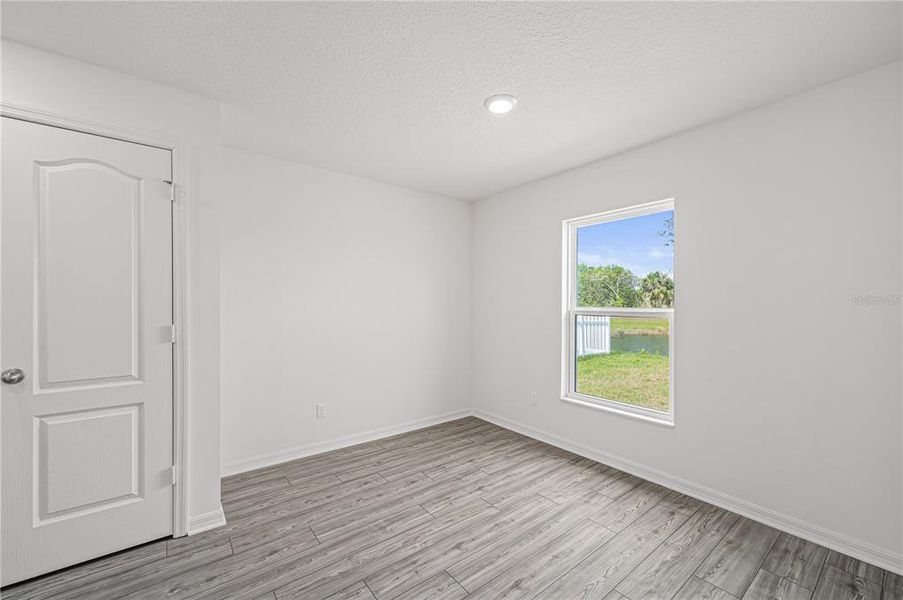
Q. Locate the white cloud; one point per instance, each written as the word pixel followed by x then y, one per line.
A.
pixel 591 260
pixel 597 260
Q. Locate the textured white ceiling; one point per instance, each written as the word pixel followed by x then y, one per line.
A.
pixel 394 91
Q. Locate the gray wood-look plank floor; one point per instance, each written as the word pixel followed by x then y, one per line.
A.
pixel 467 510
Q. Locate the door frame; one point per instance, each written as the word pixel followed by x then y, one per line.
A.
pixel 180 278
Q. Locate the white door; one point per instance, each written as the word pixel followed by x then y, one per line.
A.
pixel 86 316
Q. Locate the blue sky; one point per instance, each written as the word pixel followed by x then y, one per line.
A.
pixel 633 243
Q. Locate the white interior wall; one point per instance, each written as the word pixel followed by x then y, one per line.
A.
pixel 787 394
pixel 336 290
pixel 54 84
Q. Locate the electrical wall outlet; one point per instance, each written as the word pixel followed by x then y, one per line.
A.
pixel 321 411
pixel 532 398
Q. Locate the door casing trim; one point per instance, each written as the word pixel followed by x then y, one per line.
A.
pixel 180 270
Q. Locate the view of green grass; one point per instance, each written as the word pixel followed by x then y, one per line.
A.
pixel 635 378
pixel 634 326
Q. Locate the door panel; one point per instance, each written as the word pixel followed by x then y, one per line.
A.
pixel 88 279
pixel 86 297
pixel 67 448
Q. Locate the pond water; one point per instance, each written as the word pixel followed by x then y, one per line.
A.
pixel 652 344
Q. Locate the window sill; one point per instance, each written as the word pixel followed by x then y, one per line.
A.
pixel 662 419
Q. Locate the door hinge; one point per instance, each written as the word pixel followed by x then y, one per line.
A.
pixel 172 190
pixel 172 333
pixel 174 470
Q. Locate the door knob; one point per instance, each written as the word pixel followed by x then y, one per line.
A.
pixel 12 376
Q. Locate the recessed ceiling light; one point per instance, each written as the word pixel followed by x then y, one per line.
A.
pixel 499 104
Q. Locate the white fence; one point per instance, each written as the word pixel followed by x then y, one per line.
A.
pixel 593 335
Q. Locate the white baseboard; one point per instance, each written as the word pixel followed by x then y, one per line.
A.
pixel 819 535
pixel 206 521
pixel 274 458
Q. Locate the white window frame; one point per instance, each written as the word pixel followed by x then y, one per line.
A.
pixel 570 312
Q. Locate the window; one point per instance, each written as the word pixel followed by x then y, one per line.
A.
pixel 618 334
